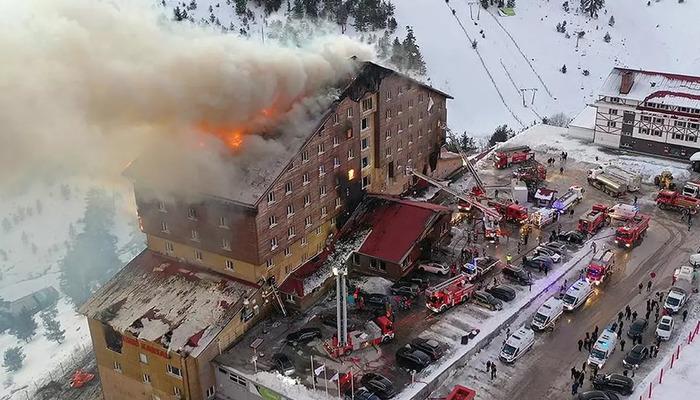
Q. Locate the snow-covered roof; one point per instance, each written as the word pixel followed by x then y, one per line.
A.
pixel 585 119
pixel 666 88
pixel 179 306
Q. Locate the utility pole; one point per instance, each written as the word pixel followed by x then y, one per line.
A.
pixel 478 9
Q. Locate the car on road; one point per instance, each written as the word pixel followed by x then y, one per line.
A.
pixel 558 247
pixel 502 292
pixel 412 359
pixel 572 237
pixel 303 336
pixel 431 347
pixel 517 275
pixel 615 382
pixel 282 364
pixel 376 300
pixel 597 395
pixel 360 394
pixel 403 288
pixel 379 385
pixel 637 328
pixel 636 356
pixel 546 251
pixel 485 299
pixel 435 268
pixel 664 328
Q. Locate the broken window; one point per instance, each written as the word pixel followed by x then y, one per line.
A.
pixel 113 339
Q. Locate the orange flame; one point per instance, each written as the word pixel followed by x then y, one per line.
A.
pixel 231 137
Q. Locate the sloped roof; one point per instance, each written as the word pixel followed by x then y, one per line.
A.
pixel 665 88
pixel 397 225
pixel 180 306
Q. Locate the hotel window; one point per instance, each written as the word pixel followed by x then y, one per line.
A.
pixel 348 134
pixel 410 120
pixel 350 112
pixel 321 170
pixel 336 162
pixel 365 162
pixel 198 255
pixel 692 125
pixel 169 247
pixel 163 226
pixel 146 378
pixel 410 140
pixel 400 145
pixel 420 98
pixel 367 104
pixel 117 366
pixel 321 148
pixel 305 179
pixel 177 392
pixel 656 132
pixel 646 118
pixel 387 134
pixel 195 235
pixel 388 114
pixel 388 151
pixel 287 251
pixel 399 127
pixel 612 124
pixel 211 392
pixel 388 95
pixel 612 111
pixel 333 221
pixel 410 103
pixel 270 263
pixel 161 206
pixel 225 244
pixel 304 241
pixel 658 120
pixel 324 211
pixel 291 232
pixel 365 143
pixel 335 118
pixel 364 124
pixel 273 243
pixel 336 141
pixel 400 90
pixel 614 99
pixel 323 190
pixel 420 132
pixel 365 181
pixel 307 200
pixel 307 221
pixel 318 230
pixel 338 202
pixel 691 138
pixel 192 213
pixel 290 210
pixel 174 370
pixel 351 153
pixel 400 109
pixel 229 264
pixel 288 188
pixel 680 124
pixel 272 220
pixel 304 156
pixel 143 358
pixel 271 197
pixel 223 222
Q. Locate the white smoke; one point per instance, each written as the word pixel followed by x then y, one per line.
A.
pixel 86 86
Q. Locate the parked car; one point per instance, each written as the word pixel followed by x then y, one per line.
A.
pixel 378 385
pixel 282 364
pixel 517 275
pixel 614 382
pixel 546 251
pixel 597 395
pixel 536 263
pixel 502 292
pixel 637 328
pixel 431 347
pixel 664 328
pixel 411 358
pixel 303 336
pixel 545 258
pixel 485 299
pixel 360 394
pixel 635 357
pixel 572 237
pixel 558 247
pixel 376 300
pixel 403 288
pixel 434 268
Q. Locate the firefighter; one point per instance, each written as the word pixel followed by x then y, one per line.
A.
pixel 509 258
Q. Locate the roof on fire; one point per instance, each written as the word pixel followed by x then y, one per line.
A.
pixel 177 305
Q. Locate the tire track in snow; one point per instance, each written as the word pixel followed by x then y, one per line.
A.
pixel 483 64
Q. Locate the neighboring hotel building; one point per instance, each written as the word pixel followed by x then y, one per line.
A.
pixel 212 264
pixel 649 112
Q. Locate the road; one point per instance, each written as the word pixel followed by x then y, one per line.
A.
pixel 543 373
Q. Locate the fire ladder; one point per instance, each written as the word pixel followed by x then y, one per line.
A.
pixel 275 292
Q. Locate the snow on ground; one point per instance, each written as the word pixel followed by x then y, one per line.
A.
pixel 554 140
pixel 43 355
pixel 679 381
pixel 374 284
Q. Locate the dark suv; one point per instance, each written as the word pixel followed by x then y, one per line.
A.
pixel 378 385
pixel 615 382
pixel 517 275
pixel 303 336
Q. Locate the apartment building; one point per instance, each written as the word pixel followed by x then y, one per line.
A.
pixel 236 243
pixel 649 112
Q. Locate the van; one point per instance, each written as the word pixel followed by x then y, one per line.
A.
pixel 517 344
pixel 577 294
pixel 603 348
pixel 548 314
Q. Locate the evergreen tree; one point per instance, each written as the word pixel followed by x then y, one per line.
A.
pixel 383 46
pixel 372 14
pixel 500 4
pixel 397 55
pixel 241 6
pixel 501 134
pixel 23 326
pixel 178 14
pixel 565 6
pixel 193 5
pixel 607 37
pixel 592 6
pixel 563 69
pixel 13 359
pixel 413 58
pixel 510 4
pixel 53 328
pixel 611 21
pixel 392 25
pixel 311 8
pixel 298 9
pixel 485 4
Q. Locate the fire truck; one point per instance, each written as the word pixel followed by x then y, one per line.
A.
pixel 509 211
pixel 449 293
pixel 600 266
pixel 506 156
pixel 594 220
pixel 633 232
pixel 375 332
pixel 531 172
pixel 671 200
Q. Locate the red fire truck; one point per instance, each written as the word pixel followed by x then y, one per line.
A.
pixel 509 211
pixel 505 157
pixel 671 200
pixel 449 293
pixel 600 266
pixel 594 220
pixel 380 330
pixel 531 171
pixel 633 232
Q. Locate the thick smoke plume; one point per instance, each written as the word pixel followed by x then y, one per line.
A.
pixel 86 86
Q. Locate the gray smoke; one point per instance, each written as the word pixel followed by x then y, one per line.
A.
pixel 86 86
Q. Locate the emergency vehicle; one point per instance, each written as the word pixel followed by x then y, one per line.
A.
pixel 633 232
pixel 449 293
pixel 600 266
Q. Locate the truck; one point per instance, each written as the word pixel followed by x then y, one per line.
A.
pixel 594 220
pixel 478 267
pixel 543 217
pixel 632 180
pixel 622 212
pixel 692 189
pixel 375 332
pixel 509 211
pixel 600 267
pixel 609 184
pixel 632 233
pixel 531 172
pixel 449 293
pixel 674 201
pixel 507 156
pixel 572 197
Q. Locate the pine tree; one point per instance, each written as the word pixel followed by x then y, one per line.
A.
pixel 53 328
pixel 565 6
pixel 592 6
pixel 485 4
pixel 607 37
pixel 311 8
pixel 383 46
pixel 414 60
pixel 23 326
pixel 398 59
pixel 611 21
pixel 241 6
pixel 510 4
pixel 177 14
pixel 501 134
pixel 193 5
pixel 500 4
pixel 13 359
pixel 298 9
pixel 563 69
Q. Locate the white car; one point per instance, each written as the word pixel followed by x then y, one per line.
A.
pixel 664 328
pixel 545 251
pixel 435 268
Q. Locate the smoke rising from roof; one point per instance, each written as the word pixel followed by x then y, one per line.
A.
pixel 86 85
